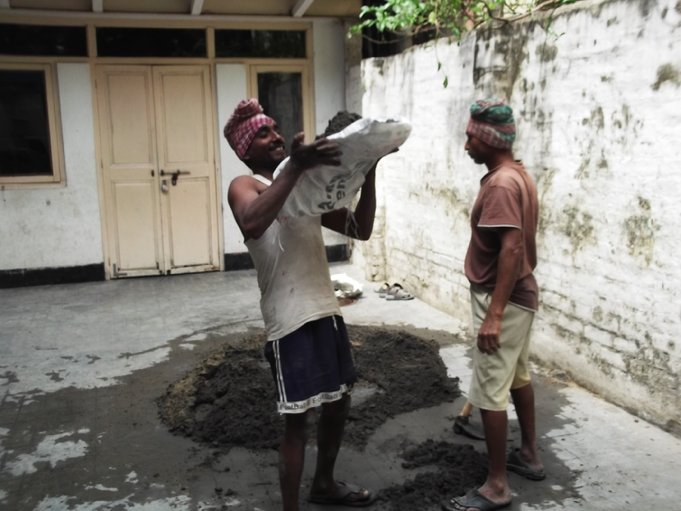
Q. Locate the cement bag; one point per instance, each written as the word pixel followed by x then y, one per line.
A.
pixel 325 188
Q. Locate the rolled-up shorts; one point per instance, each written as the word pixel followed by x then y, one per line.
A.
pixel 312 365
pixel 494 375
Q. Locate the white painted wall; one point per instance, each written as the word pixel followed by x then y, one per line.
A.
pixel 598 109
pixel 329 70
pixel 329 84
pixel 58 225
pixel 232 87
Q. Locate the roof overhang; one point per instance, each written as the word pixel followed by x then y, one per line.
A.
pixel 196 9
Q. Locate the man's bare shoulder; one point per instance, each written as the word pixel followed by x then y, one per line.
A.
pixel 246 183
pixel 244 188
pixel 244 180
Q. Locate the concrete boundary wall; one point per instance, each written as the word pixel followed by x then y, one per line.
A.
pixel 598 110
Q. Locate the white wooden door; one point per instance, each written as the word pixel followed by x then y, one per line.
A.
pixel 158 169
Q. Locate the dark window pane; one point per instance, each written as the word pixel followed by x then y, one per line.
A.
pixel 281 96
pixel 24 131
pixel 151 42
pixel 260 43
pixel 42 40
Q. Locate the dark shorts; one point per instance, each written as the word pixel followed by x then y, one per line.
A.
pixel 312 365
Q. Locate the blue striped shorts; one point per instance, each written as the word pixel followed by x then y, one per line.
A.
pixel 312 365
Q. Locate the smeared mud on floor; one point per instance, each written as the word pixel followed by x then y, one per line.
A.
pixel 228 401
pixel 452 469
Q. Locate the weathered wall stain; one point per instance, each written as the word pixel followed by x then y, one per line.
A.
pixel 583 169
pixel 623 121
pixel 544 181
pixel 602 363
pixel 625 127
pixel 602 162
pixel 452 201
pixel 379 64
pixel 596 119
pixel 597 314
pixel 546 52
pixel 599 161
pixel 621 127
pixel 646 6
pixel 640 232
pixel 508 53
pixel 651 366
pixel 666 73
pixel 528 86
pixel 517 54
pixel 578 226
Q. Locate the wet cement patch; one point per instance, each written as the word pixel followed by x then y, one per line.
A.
pixel 109 449
pixel 227 401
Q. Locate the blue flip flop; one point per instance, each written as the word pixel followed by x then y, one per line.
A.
pixel 347 495
pixel 516 463
pixel 473 499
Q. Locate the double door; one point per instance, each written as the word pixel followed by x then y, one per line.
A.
pixel 158 168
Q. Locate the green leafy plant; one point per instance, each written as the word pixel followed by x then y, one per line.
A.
pixel 445 18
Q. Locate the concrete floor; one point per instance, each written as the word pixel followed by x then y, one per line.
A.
pixel 81 366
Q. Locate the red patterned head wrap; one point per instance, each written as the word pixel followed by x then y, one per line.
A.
pixel 244 123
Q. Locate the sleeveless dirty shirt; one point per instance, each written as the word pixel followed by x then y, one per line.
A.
pixel 293 273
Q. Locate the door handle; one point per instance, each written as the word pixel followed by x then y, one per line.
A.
pixel 175 175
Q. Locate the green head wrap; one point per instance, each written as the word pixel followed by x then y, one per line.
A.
pixel 492 122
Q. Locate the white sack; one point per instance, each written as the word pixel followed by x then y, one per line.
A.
pixel 325 188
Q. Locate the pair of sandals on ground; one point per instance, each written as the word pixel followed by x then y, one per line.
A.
pixel 394 292
pixel 475 500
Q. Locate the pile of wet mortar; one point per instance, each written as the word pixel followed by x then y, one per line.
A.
pixel 228 400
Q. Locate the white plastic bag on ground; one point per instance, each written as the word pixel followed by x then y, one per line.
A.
pixel 325 188
pixel 345 286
